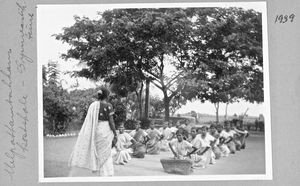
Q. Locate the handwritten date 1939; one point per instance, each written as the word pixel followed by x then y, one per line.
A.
pixel 285 18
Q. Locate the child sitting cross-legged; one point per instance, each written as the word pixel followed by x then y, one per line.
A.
pixel 209 141
pixel 201 158
pixel 215 144
pixel 181 148
pixel 222 138
pixel 155 136
pixel 242 134
pixel 228 138
pixel 122 150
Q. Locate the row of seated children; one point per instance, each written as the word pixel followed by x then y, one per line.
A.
pixel 204 147
pixel 139 142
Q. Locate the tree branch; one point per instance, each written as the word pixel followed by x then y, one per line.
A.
pixel 157 85
pixel 170 83
pixel 152 74
pixel 174 93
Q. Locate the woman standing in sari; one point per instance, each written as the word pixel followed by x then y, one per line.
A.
pixel 91 155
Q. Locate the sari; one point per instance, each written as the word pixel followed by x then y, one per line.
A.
pixel 198 159
pixel 122 154
pixel 153 143
pixel 139 149
pixel 215 148
pixel 91 155
pixel 167 135
pixel 224 147
pixel 209 139
pixel 181 148
pixel 217 151
pixel 242 135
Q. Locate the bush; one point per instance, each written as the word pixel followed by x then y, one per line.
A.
pixel 130 124
pixel 157 121
pixel 145 123
pixel 56 108
pixel 182 119
pixel 120 110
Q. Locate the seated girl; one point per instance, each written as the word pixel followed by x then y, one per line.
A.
pixel 222 137
pixel 228 138
pixel 167 135
pixel 180 148
pixel 122 154
pixel 155 136
pixel 214 145
pixel 235 139
pixel 141 137
pixel 201 157
pixel 209 140
pixel 242 135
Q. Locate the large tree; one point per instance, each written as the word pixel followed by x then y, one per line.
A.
pixel 177 103
pixel 147 41
pixel 227 47
pixel 173 49
pixel 156 106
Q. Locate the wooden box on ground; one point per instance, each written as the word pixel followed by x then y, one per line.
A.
pixel 177 166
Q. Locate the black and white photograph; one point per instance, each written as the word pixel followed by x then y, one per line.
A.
pixel 160 92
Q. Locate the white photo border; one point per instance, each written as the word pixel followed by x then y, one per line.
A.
pixel 268 145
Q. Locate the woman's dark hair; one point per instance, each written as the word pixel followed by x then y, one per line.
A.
pixel 205 128
pixel 121 124
pixel 199 129
pixel 194 128
pixel 182 132
pixel 219 126
pixel 179 132
pixel 212 126
pixel 103 93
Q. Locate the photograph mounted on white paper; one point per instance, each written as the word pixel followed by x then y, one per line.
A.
pixel 153 92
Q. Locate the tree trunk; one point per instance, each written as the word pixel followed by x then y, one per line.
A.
pixel 173 112
pixel 167 106
pixel 140 105
pixel 226 111
pixel 126 107
pixel 244 115
pixel 53 125
pixel 140 112
pixel 217 112
pixel 146 116
pixel 141 101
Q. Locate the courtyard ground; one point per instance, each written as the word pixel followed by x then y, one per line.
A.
pixel 248 161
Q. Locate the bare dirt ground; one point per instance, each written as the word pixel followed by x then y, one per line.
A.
pixel 248 161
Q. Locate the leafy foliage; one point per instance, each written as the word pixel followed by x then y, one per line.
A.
pixel 157 106
pixel 227 45
pixel 228 48
pixel 56 100
pixel 216 53
pixel 80 101
pixel 119 109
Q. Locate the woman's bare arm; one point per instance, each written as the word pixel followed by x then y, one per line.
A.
pixel 175 154
pixel 112 125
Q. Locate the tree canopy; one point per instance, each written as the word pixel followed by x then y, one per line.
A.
pixel 212 54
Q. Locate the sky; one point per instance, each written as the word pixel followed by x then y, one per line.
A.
pixel 51 19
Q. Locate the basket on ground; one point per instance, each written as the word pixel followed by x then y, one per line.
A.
pixel 177 166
